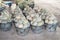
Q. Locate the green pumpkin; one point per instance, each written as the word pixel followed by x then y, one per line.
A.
pixel 22 6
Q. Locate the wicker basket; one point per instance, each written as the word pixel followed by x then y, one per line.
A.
pixel 5 26
pixel 37 29
pixel 22 32
pixel 51 27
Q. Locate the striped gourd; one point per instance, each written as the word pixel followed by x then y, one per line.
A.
pixel 5 15
pixel 34 17
pixel 21 21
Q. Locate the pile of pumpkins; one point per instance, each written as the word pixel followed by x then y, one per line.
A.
pixel 25 15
